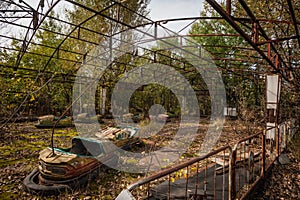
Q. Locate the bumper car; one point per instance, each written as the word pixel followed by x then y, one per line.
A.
pixel 68 169
pixel 48 121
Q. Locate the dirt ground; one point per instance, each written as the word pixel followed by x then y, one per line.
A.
pixel 20 144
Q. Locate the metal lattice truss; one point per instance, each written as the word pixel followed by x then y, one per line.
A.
pixel 272 42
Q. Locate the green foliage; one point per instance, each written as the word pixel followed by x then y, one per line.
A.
pixel 46 72
pixel 243 89
pixel 43 82
pixel 35 84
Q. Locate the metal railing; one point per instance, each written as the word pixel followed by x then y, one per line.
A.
pixel 194 179
pixel 248 164
pixel 256 166
pixel 225 173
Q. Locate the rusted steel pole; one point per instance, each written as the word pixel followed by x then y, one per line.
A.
pixel 262 31
pixel 255 33
pixel 186 182
pixel 269 53
pixel 232 22
pixel 277 140
pixel 197 180
pixel 169 188
pixel 292 13
pixel 263 169
pixel 148 190
pixel 155 30
pixel 228 7
pixel 232 189
pixel 277 114
pixel 215 182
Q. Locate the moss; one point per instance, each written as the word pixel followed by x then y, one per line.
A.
pixel 189 155
pixel 46 122
pixel 8 196
pixel 6 153
pixel 13 162
pixel 69 132
pixel 108 197
pixel 33 136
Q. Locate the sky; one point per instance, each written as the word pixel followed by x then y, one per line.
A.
pixel 159 10
pixel 170 9
pixel 164 9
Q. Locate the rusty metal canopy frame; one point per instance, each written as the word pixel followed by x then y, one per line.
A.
pixel 277 53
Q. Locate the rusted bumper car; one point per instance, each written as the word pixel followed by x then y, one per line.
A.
pixel 63 169
pixel 48 122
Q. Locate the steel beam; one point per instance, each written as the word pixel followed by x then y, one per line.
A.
pixel 294 20
pixel 231 21
pixel 278 40
pixel 22 52
pixel 251 15
pixel 15 11
pixel 79 25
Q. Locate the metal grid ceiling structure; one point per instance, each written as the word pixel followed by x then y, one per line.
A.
pixel 276 53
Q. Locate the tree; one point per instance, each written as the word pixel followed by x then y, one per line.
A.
pixel 35 87
pixel 95 25
pixel 287 47
pixel 245 82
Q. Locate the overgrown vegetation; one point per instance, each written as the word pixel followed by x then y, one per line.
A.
pixel 43 80
pixel 22 143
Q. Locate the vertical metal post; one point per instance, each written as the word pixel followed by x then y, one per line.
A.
pixel 110 49
pixel 215 181
pixel 232 188
pixel 263 170
pixel 269 52
pixel 277 140
pixel 35 19
pixel 78 32
pixel 276 61
pixel 228 7
pixel 246 147
pixel 80 92
pixel 197 180
pixel 118 12
pixel 148 191
pixel 223 178
pixel 169 188
pixel 187 182
pixel 277 113
pixel 205 181
pixel 155 30
pixel 255 33
pixel 285 134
